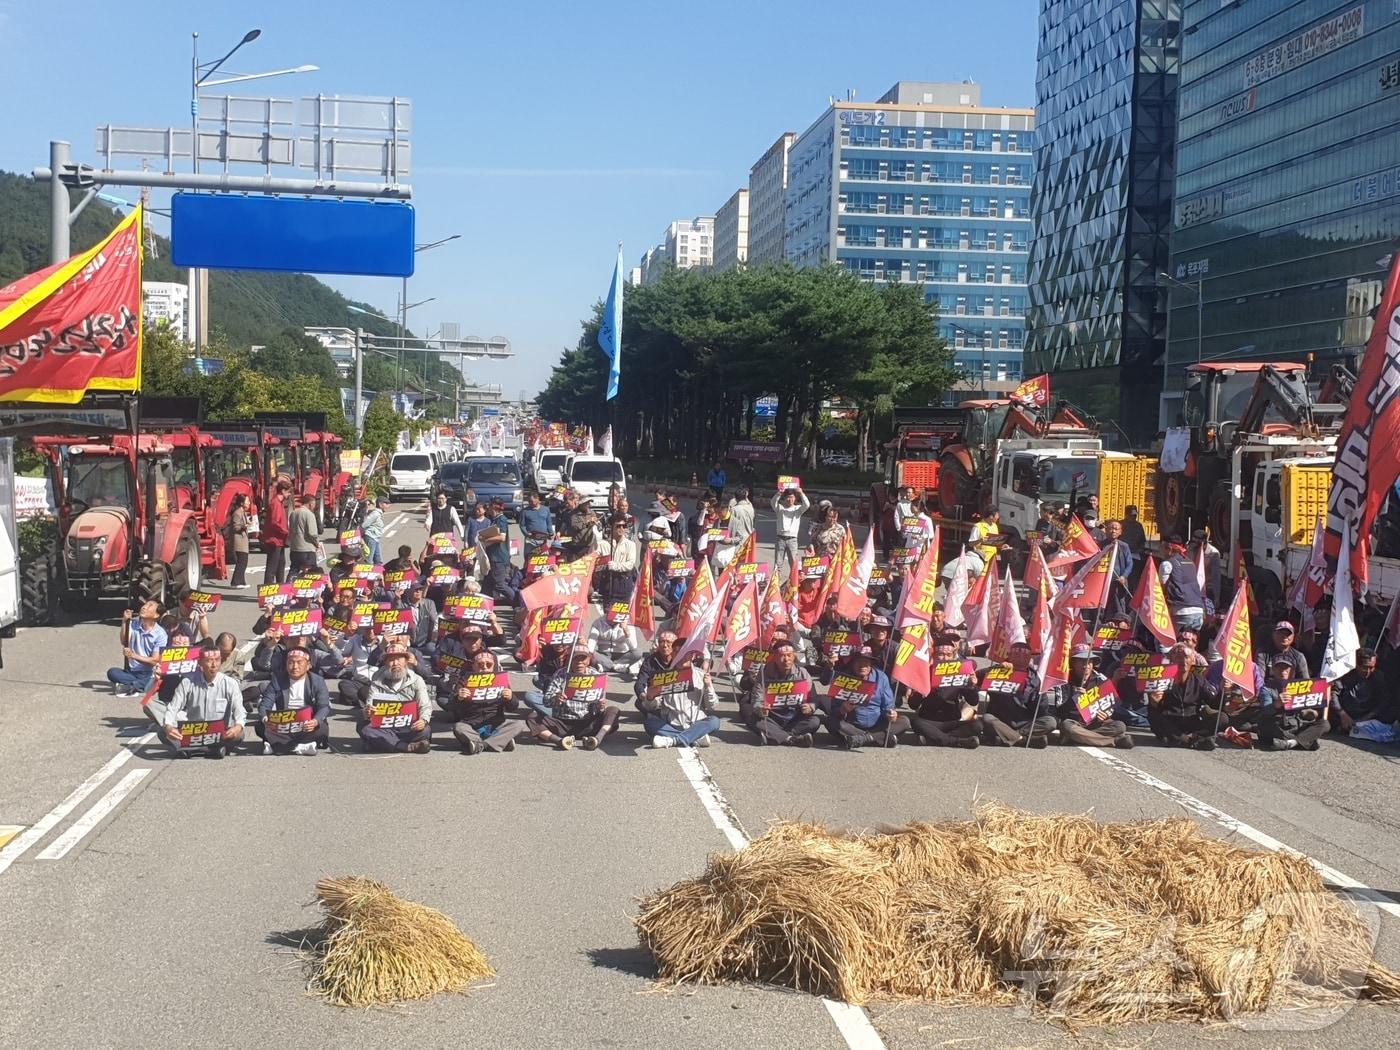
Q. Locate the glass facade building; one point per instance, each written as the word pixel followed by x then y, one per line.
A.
pixel 925 186
pixel 1106 88
pixel 1288 178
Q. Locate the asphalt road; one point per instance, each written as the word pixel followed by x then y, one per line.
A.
pixel 159 902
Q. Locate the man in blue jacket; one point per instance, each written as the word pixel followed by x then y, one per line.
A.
pixel 291 694
pixel 872 720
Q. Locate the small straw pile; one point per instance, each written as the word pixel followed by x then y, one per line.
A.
pixel 378 949
pixel 1096 923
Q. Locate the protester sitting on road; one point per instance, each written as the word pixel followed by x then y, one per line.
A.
pixel 1279 728
pixel 235 663
pixel 1280 645
pixel 193 622
pixel 403 561
pixel 356 651
pixel 656 661
pixel 615 646
pixel 788 506
pixel 869 721
pixel 1011 717
pixel 1363 695
pixel 947 716
pixel 298 689
pixel 682 717
pixel 443 519
pixel 269 658
pixel 142 639
pixel 454 655
pixel 792 718
pixel 395 683
pixel 481 723
pixel 1186 713
pixel 206 696
pixel 1061 701
pixel 587 721
pixel 161 691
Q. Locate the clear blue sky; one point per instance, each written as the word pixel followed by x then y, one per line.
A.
pixel 543 132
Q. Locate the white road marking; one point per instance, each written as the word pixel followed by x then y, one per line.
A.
pixel 851 1021
pixel 60 846
pixel 22 843
pixel 1341 880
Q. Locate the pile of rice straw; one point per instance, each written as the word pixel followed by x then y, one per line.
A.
pixel 377 948
pixel 1096 923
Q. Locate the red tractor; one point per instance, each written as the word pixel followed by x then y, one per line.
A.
pixel 122 533
pixel 324 483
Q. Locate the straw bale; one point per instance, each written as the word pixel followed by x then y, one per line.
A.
pixel 377 948
pixel 1097 923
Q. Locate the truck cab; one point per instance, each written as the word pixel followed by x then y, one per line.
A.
pixel 1028 473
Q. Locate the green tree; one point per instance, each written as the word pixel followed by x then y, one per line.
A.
pixel 382 426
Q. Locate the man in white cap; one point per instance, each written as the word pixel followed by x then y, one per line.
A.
pixel 1062 702
pixel 394 682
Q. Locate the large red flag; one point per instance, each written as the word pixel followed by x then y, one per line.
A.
pixel 774 610
pixel 1054 662
pixel 1040 624
pixel 1089 587
pixel 698 599
pixel 981 604
pixel 842 565
pixel 913 658
pixel 698 640
pixel 75 326
pixel 1368 447
pixel 1076 546
pixel 852 598
pixel 743 554
pixel 743 621
pixel 1151 604
pixel 568 583
pixel 641 612
pixel 1038 576
pixel 1236 646
pixel 916 600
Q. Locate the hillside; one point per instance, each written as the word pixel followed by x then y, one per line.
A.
pixel 245 307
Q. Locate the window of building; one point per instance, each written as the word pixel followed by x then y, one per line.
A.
pixel 962 279
pixel 987 306
pixel 1005 307
pixel 962 301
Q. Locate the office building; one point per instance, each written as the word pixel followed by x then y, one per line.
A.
pixel 1106 74
pixel 1287 181
pixel 768 181
pixel 167 302
pixel 924 186
pixel 731 246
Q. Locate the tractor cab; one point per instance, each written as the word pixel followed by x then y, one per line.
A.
pixel 1246 397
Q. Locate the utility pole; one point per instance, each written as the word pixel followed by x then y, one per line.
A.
pixel 60 156
pixel 359 385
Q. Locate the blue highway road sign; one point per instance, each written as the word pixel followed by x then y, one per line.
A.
pixel 227 231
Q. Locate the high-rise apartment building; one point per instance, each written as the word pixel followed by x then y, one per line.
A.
pixel 1287 179
pixel 768 180
pixel 1106 76
pixel 687 243
pixel 731 246
pixel 925 186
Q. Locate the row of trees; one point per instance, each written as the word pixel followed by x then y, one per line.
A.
pixel 292 373
pixel 700 347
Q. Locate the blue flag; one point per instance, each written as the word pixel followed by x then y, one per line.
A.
pixel 610 331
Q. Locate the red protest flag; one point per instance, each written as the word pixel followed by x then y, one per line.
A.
pixel 1077 545
pixel 980 605
pixel 913 658
pixel 698 640
pixel 852 597
pixel 1054 662
pixel 841 566
pixel 75 326
pixel 640 611
pixel 1150 603
pixel 1369 442
pixel 1242 580
pixel 1010 626
pixel 742 628
pixel 1037 576
pixel 743 555
pixel 529 650
pixel 1236 646
pixel 568 583
pixel 958 589
pixel 773 612
pixel 698 598
pixel 1039 637
pixel 916 599
pixel 1034 391
pixel 1089 587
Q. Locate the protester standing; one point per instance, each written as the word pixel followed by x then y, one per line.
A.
pixel 372 528
pixel 238 540
pixel 788 506
pixel 273 535
pixel 303 536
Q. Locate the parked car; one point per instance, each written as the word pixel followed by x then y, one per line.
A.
pixel 410 474
pixel 496 477
pixel 452 481
pixel 593 477
pixel 549 468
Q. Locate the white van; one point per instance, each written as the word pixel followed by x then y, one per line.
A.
pixel 549 468
pixel 411 474
pixel 593 477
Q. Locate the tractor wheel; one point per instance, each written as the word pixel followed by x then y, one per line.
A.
pixel 1218 520
pixel 957 489
pixel 36 593
pixel 184 569
pixel 152 584
pixel 1170 500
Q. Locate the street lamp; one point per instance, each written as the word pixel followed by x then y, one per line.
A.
pixel 1198 290
pixel 982 345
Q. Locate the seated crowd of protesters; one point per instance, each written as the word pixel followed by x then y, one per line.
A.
pixel 426 637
